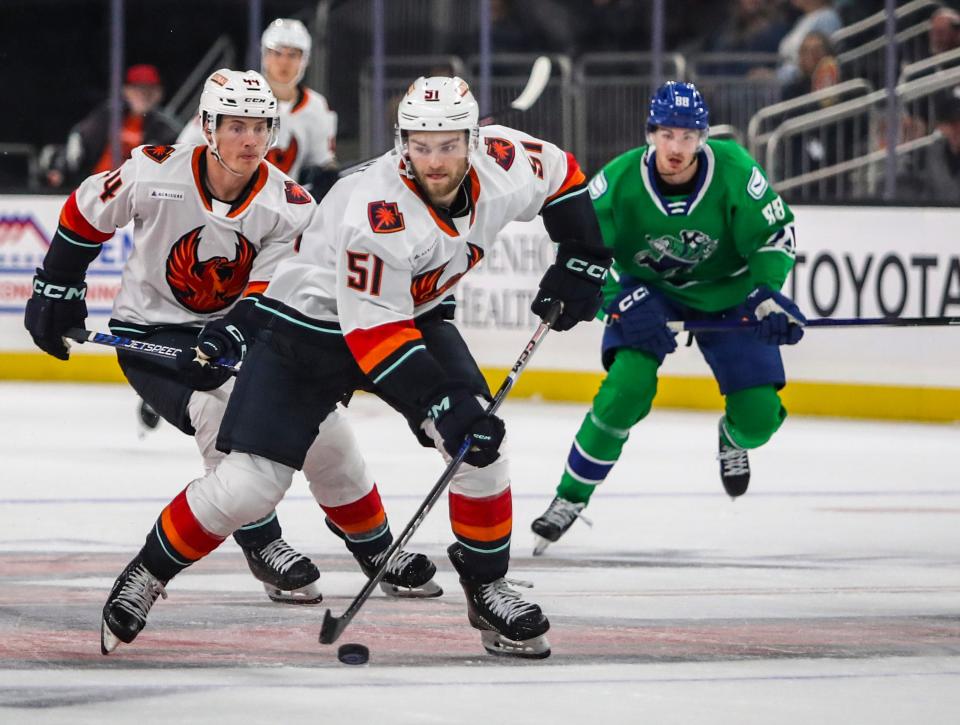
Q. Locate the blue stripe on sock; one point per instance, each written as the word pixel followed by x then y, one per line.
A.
pixel 584 469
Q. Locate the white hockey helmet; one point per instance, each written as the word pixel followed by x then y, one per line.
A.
pixel 438 103
pixel 287 33
pixel 237 93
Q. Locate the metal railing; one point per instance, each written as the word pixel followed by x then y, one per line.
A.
pixel 873 26
pixel 940 61
pixel 612 99
pixel 842 136
pixel 734 96
pixel 764 122
pixel 868 60
pixel 183 104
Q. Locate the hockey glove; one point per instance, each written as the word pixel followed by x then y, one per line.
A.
pixel 218 339
pixel 456 414
pixel 576 281
pixel 52 310
pixel 781 322
pixel 643 322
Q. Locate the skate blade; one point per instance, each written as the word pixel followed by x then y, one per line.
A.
pixel 425 591
pixel 535 648
pixel 309 594
pixel 540 545
pixel 108 640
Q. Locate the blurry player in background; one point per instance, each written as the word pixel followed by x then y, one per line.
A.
pixel 696 233
pixel 366 303
pixel 306 142
pixel 211 224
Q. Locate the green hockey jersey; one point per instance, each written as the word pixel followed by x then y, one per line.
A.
pixel 708 250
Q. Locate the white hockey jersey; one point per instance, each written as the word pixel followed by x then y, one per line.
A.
pixel 377 254
pixel 192 256
pixel 307 136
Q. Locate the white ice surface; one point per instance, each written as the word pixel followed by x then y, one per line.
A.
pixel 828 594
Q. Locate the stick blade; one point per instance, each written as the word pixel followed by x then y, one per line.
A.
pixel 539 77
pixel 331 629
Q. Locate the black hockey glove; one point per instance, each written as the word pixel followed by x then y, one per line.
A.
pixel 457 414
pixel 218 339
pixel 576 281
pixel 781 322
pixel 52 310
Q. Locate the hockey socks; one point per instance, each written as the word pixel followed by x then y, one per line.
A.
pixel 259 533
pixel 483 527
pixel 176 541
pixel 752 416
pixel 362 523
pixel 625 397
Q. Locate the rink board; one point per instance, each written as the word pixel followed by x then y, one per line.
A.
pixel 851 262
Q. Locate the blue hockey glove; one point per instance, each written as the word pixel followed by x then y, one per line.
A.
pixel 52 310
pixel 576 281
pixel 781 322
pixel 643 322
pixel 457 413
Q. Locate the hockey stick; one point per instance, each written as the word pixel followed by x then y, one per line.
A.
pixel 536 83
pixel 333 627
pixel 732 325
pixel 140 347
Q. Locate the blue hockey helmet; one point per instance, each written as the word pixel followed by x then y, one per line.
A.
pixel 678 105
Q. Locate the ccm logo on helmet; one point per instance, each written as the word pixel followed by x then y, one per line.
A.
pixel 596 271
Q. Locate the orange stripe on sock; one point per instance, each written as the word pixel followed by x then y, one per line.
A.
pixel 184 532
pixel 483 533
pixel 361 527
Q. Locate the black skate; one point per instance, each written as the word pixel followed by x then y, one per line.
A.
pixel 147 419
pixel 131 598
pixel 410 575
pixel 508 625
pixel 734 465
pixel 555 521
pixel 287 575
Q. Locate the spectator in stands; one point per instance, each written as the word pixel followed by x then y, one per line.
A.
pixel 89 149
pixel 944 33
pixel 816 15
pixel 752 26
pixel 817 66
pixel 934 177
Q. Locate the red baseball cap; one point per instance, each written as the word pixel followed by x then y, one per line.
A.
pixel 143 75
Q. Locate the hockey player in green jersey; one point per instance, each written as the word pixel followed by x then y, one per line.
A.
pixel 697 233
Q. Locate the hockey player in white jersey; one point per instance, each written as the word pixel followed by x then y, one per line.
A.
pixel 305 149
pixel 211 224
pixel 366 304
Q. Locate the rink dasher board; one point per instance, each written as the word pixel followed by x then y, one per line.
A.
pixel 859 261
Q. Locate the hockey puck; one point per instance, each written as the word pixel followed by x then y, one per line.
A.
pixel 353 654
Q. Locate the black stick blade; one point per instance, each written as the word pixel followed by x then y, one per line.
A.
pixel 331 629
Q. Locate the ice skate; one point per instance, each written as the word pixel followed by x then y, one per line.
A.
pixel 410 575
pixel 734 465
pixel 131 598
pixel 509 626
pixel 287 575
pixel 555 521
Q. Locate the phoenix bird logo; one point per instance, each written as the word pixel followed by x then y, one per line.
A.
pixel 284 159
pixel 384 217
pixel 212 284
pixel 426 286
pixel 502 151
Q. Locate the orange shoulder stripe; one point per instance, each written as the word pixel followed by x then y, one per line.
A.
pixel 575 177
pixel 72 218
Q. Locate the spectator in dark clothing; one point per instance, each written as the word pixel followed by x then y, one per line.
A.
pixel 817 65
pixel 934 176
pixel 89 149
pixel 753 26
